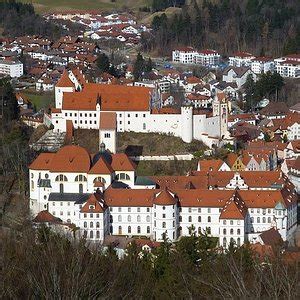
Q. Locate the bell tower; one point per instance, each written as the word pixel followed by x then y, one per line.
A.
pixel 220 109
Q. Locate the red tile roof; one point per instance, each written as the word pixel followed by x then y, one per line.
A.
pixel 101 167
pixel 164 197
pixel 121 162
pixel 44 216
pixel 64 80
pixel 93 205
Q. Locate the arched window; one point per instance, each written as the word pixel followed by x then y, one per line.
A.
pixel 91 224
pixel 251 220
pixel 91 234
pixel 80 178
pixel 224 231
pixel 119 218
pixel 224 242
pixel 199 219
pixel 61 178
pixel 138 229
pixel 180 218
pixel 231 231
pixel 120 230
pixel 190 218
pixel 208 219
pixel 148 218
pixel 239 231
pixel 269 220
pixel 208 230
pixel 85 224
pixel 80 188
pixel 98 234
pixel 111 229
pixel 231 240
pixel 32 184
pixel 97 224
pixel 122 176
pixel 258 219
pixel 163 224
pixel 138 218
pixel 129 229
pixel 129 218
pixel 238 242
pixel 264 219
pixel 61 188
pixel 99 179
pixel 148 229
pixel 84 233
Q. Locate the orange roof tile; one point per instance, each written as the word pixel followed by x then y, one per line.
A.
pixel 45 216
pixel 113 98
pixel 64 80
pixel 210 164
pixel 108 120
pixel 93 205
pixel 234 208
pixel 164 197
pixel 71 159
pixel 42 162
pixel 101 167
pixel 121 162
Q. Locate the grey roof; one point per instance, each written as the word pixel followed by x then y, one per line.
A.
pixel 240 71
pixel 70 197
pixel 295 107
pixel 144 180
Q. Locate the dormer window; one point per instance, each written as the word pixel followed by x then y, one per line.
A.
pixel 92 207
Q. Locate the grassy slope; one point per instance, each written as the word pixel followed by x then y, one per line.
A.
pixel 64 5
pixel 43 100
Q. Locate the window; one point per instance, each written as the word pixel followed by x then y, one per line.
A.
pixel 129 229
pixel 208 219
pixel 138 229
pixel 80 178
pixel 138 218
pixel 224 231
pixel 199 230
pixel 269 220
pixel 144 126
pixel 238 242
pixel 84 215
pixel 231 222
pixel 119 218
pixel 99 179
pixel 209 210
pixel 97 224
pixel 148 219
pixel 180 218
pixel 119 209
pixel 80 188
pixel 264 219
pixel 251 220
pixel 148 209
pixel 129 209
pixel 107 135
pixel 91 224
pixel 61 177
pixel 91 215
pixel 224 222
pixel 208 230
pixel 163 224
pixel 120 230
pixel 231 231
pixel 111 229
pixel 148 229
pixel 32 184
pixel 224 242
pixel 258 210
pixel 138 209
pixel 61 188
pixel 98 234
pixel 199 218
pixel 239 231
pixel 199 210
pixel 110 218
pixel 258 220
pixel 122 176
pixel 129 218
pixel 190 210
pixel 164 216
pixel 85 224
pixel 190 219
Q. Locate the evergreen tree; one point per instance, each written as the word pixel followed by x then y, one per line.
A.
pixel 103 63
pixel 138 67
pixel 149 65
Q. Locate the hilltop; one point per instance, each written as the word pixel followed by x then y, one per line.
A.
pixel 66 5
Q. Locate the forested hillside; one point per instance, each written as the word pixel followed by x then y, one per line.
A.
pixel 264 27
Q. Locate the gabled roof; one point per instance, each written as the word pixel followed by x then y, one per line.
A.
pixel 271 237
pixel 121 162
pixel 164 197
pixel 42 162
pixel 64 80
pixel 234 208
pixel 101 167
pixel 93 205
pixel 45 217
pixel 275 108
pixel 210 164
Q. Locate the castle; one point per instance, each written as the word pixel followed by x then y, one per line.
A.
pixel 82 103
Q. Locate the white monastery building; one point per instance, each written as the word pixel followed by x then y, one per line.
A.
pixel 135 109
pixel 102 195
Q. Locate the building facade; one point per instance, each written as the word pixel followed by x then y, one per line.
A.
pixel 14 69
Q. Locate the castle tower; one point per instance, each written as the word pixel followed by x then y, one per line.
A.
pixel 220 109
pixel 187 123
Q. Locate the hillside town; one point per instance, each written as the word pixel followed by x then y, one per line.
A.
pixel 110 147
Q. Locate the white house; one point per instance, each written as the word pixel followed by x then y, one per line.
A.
pixel 184 55
pixel 237 74
pixel 262 64
pixel 14 69
pixel 288 66
pixel 241 59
